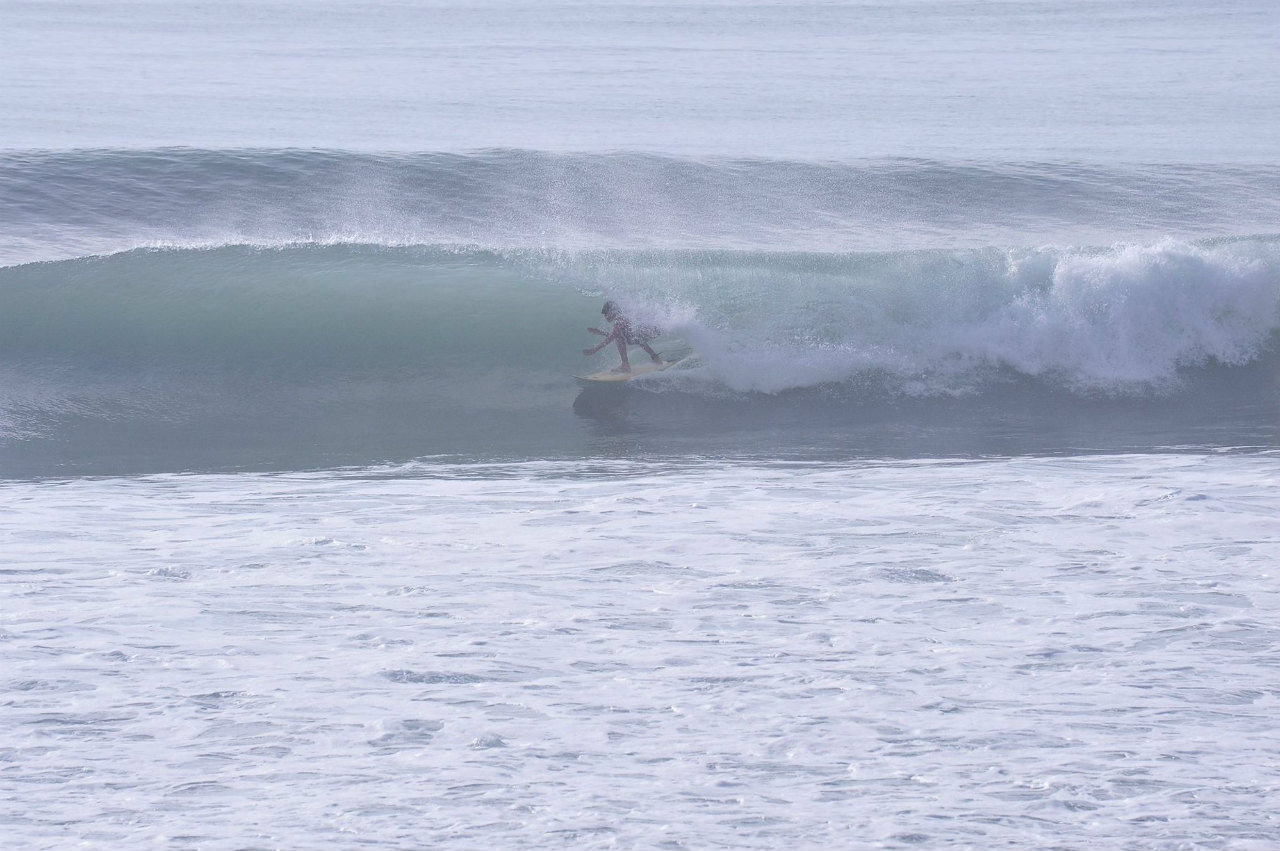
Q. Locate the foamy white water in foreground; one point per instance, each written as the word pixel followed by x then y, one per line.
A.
pixel 1067 652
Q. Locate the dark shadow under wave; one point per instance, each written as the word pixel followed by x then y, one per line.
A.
pixel 1216 408
pixel 148 425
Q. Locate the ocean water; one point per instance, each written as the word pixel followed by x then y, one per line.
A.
pixel 954 526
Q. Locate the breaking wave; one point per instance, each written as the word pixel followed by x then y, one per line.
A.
pixel 233 307
pixel 1121 320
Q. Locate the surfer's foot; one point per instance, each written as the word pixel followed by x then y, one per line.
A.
pixel 621 370
pixel 657 360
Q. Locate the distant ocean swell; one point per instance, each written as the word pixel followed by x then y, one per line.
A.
pixel 56 205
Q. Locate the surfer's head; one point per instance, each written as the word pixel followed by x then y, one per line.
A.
pixel 609 310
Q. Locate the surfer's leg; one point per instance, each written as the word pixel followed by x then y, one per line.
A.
pixel 622 351
pixel 651 352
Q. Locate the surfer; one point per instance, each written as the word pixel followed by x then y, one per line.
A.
pixel 624 334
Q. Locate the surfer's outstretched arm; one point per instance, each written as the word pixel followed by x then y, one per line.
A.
pixel 608 338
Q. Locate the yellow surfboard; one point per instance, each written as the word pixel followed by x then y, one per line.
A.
pixel 637 369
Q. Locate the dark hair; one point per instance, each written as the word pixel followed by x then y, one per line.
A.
pixel 608 306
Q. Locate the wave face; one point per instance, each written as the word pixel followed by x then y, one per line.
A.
pixel 472 352
pixel 268 311
pixel 1122 320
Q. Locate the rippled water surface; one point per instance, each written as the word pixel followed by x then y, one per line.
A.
pixel 1058 652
